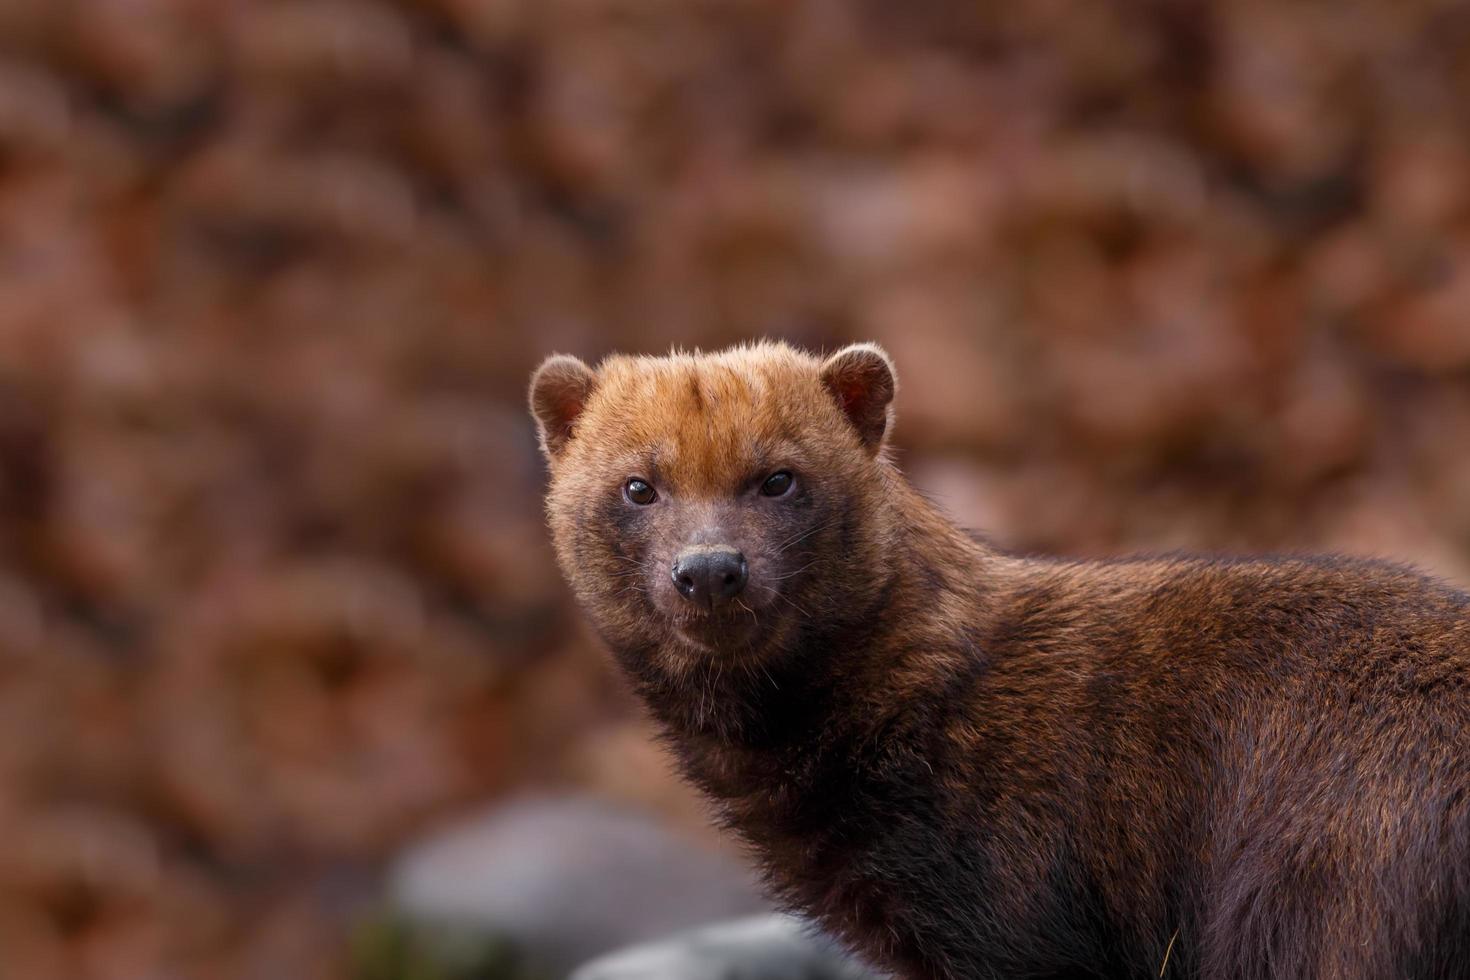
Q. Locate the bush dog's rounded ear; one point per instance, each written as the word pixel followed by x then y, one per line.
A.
pixel 559 392
pixel 861 379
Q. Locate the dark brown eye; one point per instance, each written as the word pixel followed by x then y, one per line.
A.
pixel 776 484
pixel 640 492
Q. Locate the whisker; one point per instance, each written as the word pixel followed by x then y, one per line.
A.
pixel 780 578
pixel 802 536
pixel 784 598
pixel 754 618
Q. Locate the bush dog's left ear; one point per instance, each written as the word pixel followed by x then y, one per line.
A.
pixel 559 392
pixel 861 379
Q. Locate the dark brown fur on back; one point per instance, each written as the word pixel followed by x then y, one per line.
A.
pixel 972 765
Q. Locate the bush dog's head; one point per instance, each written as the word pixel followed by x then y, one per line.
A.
pixel 717 509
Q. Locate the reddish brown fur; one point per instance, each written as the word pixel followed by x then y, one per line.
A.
pixel 971 764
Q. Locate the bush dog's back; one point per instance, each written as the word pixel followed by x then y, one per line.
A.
pixel 974 765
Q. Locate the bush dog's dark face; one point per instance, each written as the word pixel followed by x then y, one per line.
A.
pixel 712 507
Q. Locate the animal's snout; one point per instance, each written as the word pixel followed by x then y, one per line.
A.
pixel 710 574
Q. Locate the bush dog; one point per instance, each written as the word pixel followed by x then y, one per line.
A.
pixel 970 764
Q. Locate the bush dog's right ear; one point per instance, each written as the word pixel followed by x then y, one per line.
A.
pixel 559 392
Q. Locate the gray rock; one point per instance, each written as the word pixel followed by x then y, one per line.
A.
pixel 566 879
pixel 766 947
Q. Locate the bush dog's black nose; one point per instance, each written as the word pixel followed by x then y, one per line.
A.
pixel 710 574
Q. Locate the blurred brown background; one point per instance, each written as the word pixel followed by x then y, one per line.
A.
pixel 275 596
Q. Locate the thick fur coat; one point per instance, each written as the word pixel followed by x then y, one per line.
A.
pixel 970 764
